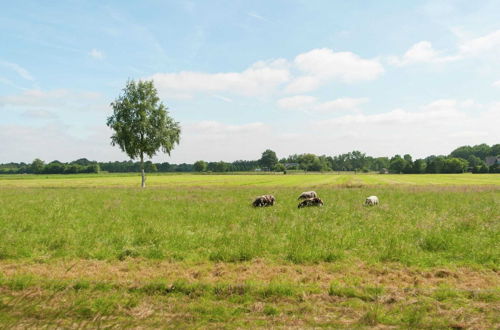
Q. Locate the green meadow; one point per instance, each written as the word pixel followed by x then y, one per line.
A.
pixel 190 251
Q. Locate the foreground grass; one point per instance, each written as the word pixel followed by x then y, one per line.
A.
pixel 190 251
pixel 141 293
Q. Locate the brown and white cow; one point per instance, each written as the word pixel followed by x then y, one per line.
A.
pixel 264 200
pixel 308 194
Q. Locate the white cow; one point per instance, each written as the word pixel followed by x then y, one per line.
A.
pixel 372 200
pixel 308 194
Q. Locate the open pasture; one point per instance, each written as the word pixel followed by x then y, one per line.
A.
pixel 189 250
pixel 247 179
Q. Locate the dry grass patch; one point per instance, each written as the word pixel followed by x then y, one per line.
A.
pixel 390 275
pixel 137 292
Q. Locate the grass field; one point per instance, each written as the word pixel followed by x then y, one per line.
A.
pixel 190 251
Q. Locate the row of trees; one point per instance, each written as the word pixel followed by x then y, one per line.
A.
pixel 85 166
pixel 460 160
pixel 55 167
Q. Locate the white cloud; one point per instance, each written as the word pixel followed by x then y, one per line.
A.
pixel 207 140
pixel 311 104
pixel 434 128
pixel 346 103
pixel 55 142
pixel 303 84
pixel 322 65
pixel 310 70
pixel 216 127
pixel 39 114
pixel 496 84
pixel 422 52
pixel 52 99
pixel 325 64
pixel 18 69
pixel 481 45
pixel 223 98
pixel 297 102
pixel 259 79
pixel 10 83
pixel 97 54
pixel 214 141
pixel 433 113
pixel 394 117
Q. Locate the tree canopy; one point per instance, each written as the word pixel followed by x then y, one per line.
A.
pixel 268 159
pixel 141 123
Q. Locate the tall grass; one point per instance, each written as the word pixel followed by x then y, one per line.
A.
pixel 414 226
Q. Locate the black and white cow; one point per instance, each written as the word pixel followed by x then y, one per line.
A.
pixel 315 201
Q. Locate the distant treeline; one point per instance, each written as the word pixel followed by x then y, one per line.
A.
pixel 84 165
pixel 56 167
pixel 480 158
pixel 476 159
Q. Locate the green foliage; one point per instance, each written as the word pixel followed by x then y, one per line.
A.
pixel 279 167
pixel 419 166
pixel 141 123
pixel 480 151
pixel 311 162
pixel 355 161
pixel 268 159
pixel 150 167
pixel 220 166
pixel 37 166
pixel 397 164
pixel 200 166
pixel 455 165
pixel 352 161
pixel 56 167
pixel 495 168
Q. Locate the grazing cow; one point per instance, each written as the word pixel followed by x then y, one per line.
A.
pixel 308 194
pixel 372 200
pixel 264 200
pixel 315 201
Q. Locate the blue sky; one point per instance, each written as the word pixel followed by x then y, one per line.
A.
pixel 327 77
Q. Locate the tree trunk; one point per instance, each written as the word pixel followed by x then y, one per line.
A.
pixel 143 175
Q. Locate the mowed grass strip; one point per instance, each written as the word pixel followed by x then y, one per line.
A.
pixel 413 225
pixel 248 179
pixel 143 293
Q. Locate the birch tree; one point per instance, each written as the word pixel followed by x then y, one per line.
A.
pixel 141 123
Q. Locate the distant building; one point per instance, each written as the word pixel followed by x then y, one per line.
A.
pixel 384 171
pixel 492 160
